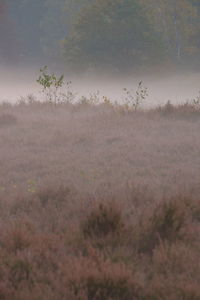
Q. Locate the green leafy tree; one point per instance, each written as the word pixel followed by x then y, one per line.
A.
pixel 117 34
pixel 112 34
pixel 50 85
pixel 178 23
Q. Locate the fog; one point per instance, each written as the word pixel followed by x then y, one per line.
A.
pixel 20 81
pixel 100 201
pixel 29 41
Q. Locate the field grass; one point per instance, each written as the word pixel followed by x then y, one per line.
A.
pixel 98 202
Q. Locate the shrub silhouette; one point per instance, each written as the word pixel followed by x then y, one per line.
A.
pixel 20 271
pixel 166 223
pixel 100 279
pixel 108 288
pixel 17 238
pixel 104 220
pixel 47 234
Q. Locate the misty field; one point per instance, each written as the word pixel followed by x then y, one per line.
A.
pixel 99 202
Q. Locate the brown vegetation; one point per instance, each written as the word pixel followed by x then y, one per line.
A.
pixel 99 203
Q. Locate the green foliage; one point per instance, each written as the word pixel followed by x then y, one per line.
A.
pixel 112 34
pixel 178 23
pixel 50 85
pixel 196 102
pixel 119 35
pixel 54 245
pixel 48 81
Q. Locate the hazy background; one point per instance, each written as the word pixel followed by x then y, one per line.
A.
pixel 100 202
pixel 102 45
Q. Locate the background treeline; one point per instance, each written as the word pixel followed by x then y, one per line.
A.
pixel 116 34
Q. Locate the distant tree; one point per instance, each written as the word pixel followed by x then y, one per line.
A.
pixel 57 22
pixel 118 34
pixel 178 23
pixel 112 34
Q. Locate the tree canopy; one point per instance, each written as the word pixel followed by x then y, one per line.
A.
pixel 117 34
pixel 112 33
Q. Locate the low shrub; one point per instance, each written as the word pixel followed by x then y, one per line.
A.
pixel 100 279
pixel 104 220
pixel 165 224
pixel 20 271
pixel 56 196
pixel 17 238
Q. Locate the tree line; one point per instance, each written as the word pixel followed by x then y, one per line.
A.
pixel 109 34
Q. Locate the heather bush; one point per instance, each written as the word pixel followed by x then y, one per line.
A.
pixel 165 224
pixel 16 238
pixel 20 271
pixel 168 220
pixel 101 279
pixel 173 272
pixel 56 196
pixel 194 208
pixel 59 240
pixel 105 220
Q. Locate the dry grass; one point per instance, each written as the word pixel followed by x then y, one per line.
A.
pixel 99 203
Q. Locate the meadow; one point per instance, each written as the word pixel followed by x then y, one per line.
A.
pixel 99 201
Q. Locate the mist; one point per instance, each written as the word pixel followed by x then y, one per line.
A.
pixel 99 171
pixel 30 40
pixel 176 87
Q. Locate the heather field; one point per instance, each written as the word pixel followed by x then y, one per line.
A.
pixel 99 202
